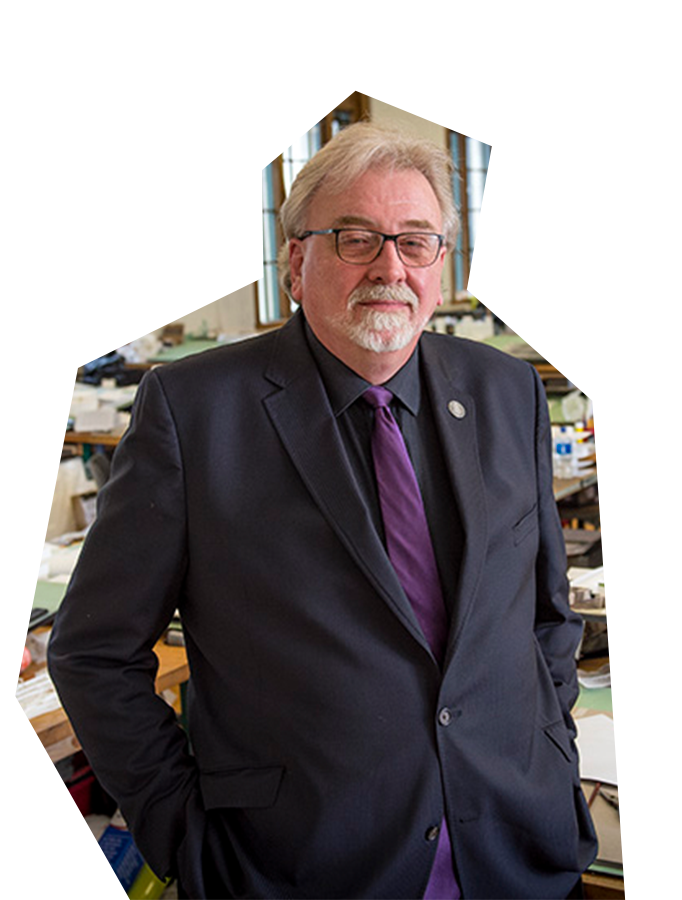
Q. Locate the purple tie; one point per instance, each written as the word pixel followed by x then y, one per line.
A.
pixel 410 550
pixel 408 541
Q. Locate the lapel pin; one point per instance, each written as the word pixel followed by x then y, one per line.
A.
pixel 456 409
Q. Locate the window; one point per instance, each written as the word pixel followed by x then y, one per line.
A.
pixel 64 242
pixel 273 305
pixel 482 147
pixel 599 132
pixel 269 301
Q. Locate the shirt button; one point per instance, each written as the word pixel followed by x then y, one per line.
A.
pixel 445 716
pixel 432 833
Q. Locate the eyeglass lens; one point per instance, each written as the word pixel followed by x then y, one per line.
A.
pixel 363 246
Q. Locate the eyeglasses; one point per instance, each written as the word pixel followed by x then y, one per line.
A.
pixel 359 246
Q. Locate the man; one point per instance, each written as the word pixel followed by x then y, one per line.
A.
pixel 380 701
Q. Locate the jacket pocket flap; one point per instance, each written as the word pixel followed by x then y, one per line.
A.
pixel 243 788
pixel 526 524
pixel 558 735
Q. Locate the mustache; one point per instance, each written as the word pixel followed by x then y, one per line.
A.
pixel 398 293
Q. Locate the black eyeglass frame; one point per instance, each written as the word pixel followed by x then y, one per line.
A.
pixel 384 237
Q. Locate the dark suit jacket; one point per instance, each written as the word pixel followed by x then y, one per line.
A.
pixel 318 762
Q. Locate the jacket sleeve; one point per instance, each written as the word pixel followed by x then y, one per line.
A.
pixel 122 595
pixel 557 628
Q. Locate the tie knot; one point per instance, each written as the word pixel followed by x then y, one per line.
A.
pixel 377 396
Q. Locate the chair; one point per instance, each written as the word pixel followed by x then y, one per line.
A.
pixel 27 492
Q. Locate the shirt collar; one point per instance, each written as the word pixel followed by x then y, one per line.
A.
pixel 344 386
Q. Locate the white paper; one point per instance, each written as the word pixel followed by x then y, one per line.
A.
pixel 597 748
pixel 37 695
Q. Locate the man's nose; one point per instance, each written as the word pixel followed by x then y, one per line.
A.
pixel 387 268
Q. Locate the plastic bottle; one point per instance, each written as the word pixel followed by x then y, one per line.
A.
pixel 563 457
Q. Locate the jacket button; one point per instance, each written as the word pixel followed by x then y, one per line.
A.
pixel 445 716
pixel 432 833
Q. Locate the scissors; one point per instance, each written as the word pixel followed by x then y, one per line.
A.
pixel 616 802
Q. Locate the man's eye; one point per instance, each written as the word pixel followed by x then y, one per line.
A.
pixel 413 241
pixel 357 238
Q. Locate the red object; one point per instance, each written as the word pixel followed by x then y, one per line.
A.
pixel 22 658
pixel 63 806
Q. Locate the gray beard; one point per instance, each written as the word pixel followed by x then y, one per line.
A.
pixel 378 331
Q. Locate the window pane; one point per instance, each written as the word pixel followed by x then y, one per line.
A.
pixel 460 282
pixel 341 119
pixel 481 214
pixel 301 139
pixel 265 233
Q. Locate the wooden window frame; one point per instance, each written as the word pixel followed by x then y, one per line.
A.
pixel 323 107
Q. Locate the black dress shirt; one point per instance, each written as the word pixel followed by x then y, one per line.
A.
pixel 411 408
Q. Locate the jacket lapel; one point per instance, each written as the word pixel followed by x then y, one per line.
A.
pixel 301 414
pixel 455 415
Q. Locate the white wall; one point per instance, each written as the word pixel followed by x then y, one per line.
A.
pixel 420 111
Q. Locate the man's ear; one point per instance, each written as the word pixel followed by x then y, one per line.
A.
pixel 296 267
